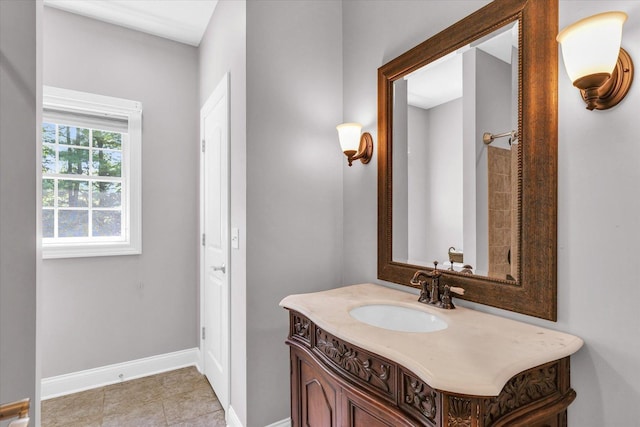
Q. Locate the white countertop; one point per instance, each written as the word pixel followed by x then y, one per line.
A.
pixel 476 354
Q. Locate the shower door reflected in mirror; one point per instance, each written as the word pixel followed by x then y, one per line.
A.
pixel 455 198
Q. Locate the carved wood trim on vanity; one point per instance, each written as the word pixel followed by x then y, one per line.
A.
pixel 361 366
pixel 365 383
pixel 459 411
pixel 417 398
pixel 300 328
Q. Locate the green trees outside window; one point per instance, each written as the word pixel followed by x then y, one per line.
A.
pixel 81 182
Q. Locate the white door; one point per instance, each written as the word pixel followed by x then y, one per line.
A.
pixel 214 202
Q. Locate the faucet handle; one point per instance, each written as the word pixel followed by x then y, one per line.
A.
pixel 446 302
pixel 456 290
pixel 424 292
pixel 415 280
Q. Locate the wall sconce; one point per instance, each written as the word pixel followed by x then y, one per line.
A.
pixel 354 144
pixel 594 60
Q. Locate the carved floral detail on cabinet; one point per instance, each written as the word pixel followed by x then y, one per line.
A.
pixel 459 412
pixel 347 357
pixel 302 327
pixel 420 396
pixel 521 390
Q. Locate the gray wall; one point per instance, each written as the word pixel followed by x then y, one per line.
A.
pixel 223 49
pixel 104 310
pixel 294 180
pixel 286 174
pixel 597 213
pixel 493 112
pixel 416 186
pixel 434 184
pixel 445 180
pixel 20 92
pixel 399 165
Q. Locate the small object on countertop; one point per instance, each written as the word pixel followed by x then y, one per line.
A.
pixel 455 256
pixel 467 269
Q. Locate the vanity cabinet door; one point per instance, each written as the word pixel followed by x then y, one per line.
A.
pixel 360 411
pixel 313 396
pixel 552 422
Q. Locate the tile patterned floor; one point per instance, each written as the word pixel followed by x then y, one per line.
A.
pixel 180 398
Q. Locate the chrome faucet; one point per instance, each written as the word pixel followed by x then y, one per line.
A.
pixel 431 294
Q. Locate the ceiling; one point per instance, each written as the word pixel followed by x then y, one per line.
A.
pixel 441 81
pixel 184 21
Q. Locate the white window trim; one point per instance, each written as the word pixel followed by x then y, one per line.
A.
pixel 72 100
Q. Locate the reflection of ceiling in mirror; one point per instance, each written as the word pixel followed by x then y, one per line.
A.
pixel 435 84
pixel 441 81
pixel 500 45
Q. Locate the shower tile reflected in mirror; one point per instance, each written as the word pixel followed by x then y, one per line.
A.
pixel 502 213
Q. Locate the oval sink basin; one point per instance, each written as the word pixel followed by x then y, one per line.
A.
pixel 397 318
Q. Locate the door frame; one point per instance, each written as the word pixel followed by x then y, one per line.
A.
pixel 223 85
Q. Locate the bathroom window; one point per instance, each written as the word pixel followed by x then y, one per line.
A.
pixel 91 146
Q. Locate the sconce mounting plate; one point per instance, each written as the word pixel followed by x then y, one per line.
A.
pixel 365 150
pixel 366 147
pixel 616 87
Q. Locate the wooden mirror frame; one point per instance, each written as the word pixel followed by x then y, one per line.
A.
pixel 534 293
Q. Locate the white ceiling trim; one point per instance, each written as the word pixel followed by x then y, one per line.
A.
pixel 184 21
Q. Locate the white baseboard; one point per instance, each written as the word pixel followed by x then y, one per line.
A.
pixel 234 421
pixel 92 378
pixel 281 423
pixel 232 418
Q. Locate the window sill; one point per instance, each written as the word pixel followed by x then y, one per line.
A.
pixel 89 250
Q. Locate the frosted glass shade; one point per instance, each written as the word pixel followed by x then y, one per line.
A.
pixel 349 135
pixel 592 45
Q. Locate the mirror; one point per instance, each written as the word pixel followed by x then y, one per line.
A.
pixel 455 195
pixel 467 168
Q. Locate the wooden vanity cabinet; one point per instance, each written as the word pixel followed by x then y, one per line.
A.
pixel 319 398
pixel 334 383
